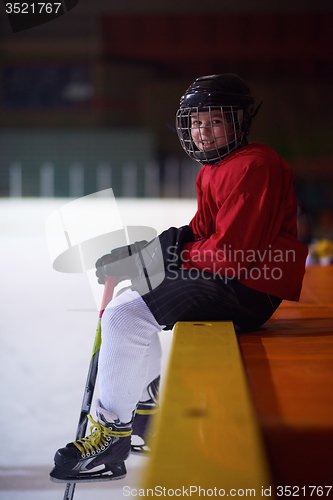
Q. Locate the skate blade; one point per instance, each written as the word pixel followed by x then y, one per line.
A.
pixel 88 478
pixel 141 450
pixel 92 479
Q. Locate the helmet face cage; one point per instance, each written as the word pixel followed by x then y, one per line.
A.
pixel 209 133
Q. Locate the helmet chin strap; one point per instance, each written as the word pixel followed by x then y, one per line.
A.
pixel 216 155
pixel 213 156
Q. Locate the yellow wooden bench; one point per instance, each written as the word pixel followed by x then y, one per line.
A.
pixel 207 441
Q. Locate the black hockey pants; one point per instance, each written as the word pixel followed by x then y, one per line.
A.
pixel 188 296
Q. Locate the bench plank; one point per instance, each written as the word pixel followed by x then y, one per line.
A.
pixel 207 433
pixel 289 366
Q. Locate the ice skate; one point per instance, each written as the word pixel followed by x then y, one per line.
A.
pixel 142 431
pixel 97 457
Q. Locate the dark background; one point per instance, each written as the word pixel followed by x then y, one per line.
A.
pixel 120 67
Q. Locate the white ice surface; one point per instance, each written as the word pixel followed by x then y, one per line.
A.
pixel 47 328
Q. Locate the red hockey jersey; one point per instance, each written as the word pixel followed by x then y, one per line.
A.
pixel 246 223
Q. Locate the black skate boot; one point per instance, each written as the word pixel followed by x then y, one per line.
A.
pixel 142 431
pixel 98 457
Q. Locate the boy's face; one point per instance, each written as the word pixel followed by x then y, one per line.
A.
pixel 210 130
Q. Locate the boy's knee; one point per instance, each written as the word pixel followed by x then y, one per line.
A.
pixel 113 316
pixel 122 322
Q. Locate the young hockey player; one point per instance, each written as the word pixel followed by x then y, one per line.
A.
pixel 236 260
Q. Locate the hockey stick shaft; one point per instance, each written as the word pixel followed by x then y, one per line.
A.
pixel 91 377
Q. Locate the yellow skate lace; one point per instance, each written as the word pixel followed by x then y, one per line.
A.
pixel 98 438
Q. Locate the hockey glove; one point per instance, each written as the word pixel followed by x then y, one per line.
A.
pixel 144 260
pixel 119 263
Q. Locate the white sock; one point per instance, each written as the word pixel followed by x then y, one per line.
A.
pixel 130 354
pixel 155 357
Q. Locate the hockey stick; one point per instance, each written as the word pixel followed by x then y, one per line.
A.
pixel 91 377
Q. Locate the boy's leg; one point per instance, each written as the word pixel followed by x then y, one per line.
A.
pixel 129 324
pixel 129 341
pixel 154 370
pixel 128 328
pixel 133 312
pixel 143 432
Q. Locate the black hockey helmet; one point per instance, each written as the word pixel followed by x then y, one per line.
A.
pixel 227 94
